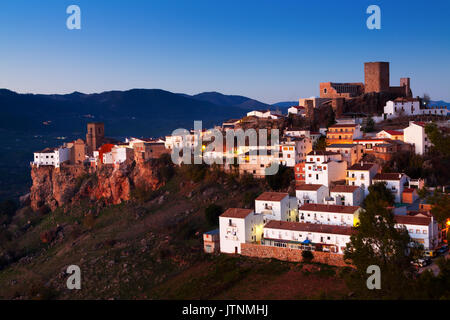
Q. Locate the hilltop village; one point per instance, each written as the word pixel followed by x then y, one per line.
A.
pixel 334 163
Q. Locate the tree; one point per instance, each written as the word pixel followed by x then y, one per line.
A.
pixel 441 143
pixel 379 195
pixel 212 213
pixel 370 125
pixel 320 144
pixel 378 242
pixel 423 193
pixel 282 179
pixel 441 206
pixel 307 255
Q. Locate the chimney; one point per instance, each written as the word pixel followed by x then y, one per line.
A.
pixel 362 163
pixel 400 175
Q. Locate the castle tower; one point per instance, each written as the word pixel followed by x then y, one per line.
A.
pixel 309 106
pixel 406 83
pixel 94 136
pixel 338 106
pixel 376 77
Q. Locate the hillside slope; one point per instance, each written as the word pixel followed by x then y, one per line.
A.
pixel 149 248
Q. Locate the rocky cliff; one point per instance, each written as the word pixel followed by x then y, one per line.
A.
pixel 55 187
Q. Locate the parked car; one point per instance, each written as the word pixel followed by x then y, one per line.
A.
pixel 429 254
pixel 422 262
pixel 442 250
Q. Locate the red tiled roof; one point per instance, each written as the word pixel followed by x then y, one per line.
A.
pixel 348 189
pixel 394 132
pixel 328 208
pixel 308 187
pixel 344 125
pixel 414 220
pixel 420 123
pixel 272 196
pixel 236 213
pixel 363 166
pixel 388 176
pixel 310 227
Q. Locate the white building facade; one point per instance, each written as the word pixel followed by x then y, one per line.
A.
pixel 310 193
pixel 51 157
pixel 237 226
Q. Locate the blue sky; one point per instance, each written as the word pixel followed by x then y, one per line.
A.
pixel 269 50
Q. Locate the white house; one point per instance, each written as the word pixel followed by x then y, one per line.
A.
pixel 310 193
pixel 361 174
pixel 107 157
pixel 323 167
pixel 236 226
pixel 256 164
pixel 120 154
pixel 415 134
pixel 293 150
pixel 402 106
pixel 411 107
pixel 347 195
pixel 51 157
pixel 267 114
pixel 298 110
pixel 395 182
pixel 275 206
pixel 329 214
pixel 436 110
pixel 421 228
pixel 390 134
pixel 306 236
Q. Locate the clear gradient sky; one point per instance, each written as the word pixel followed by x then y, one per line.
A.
pixel 272 51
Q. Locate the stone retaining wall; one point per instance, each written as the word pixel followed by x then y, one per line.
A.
pixel 287 254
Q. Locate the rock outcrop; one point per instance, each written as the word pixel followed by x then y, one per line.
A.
pixel 55 187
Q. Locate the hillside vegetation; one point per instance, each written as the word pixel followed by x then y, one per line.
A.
pixel 149 248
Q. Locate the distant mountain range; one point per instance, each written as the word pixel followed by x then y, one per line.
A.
pixel 230 100
pixel 140 112
pixel 439 103
pixel 285 104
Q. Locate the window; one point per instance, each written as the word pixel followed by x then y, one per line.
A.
pixel 424 231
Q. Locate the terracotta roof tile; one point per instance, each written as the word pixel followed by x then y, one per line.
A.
pixel 309 227
pixel 414 220
pixel 362 166
pixel 388 176
pixel 348 189
pixel 236 213
pixel 308 187
pixel 272 196
pixel 328 208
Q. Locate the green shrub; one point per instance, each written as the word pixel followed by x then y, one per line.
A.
pixel 307 255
